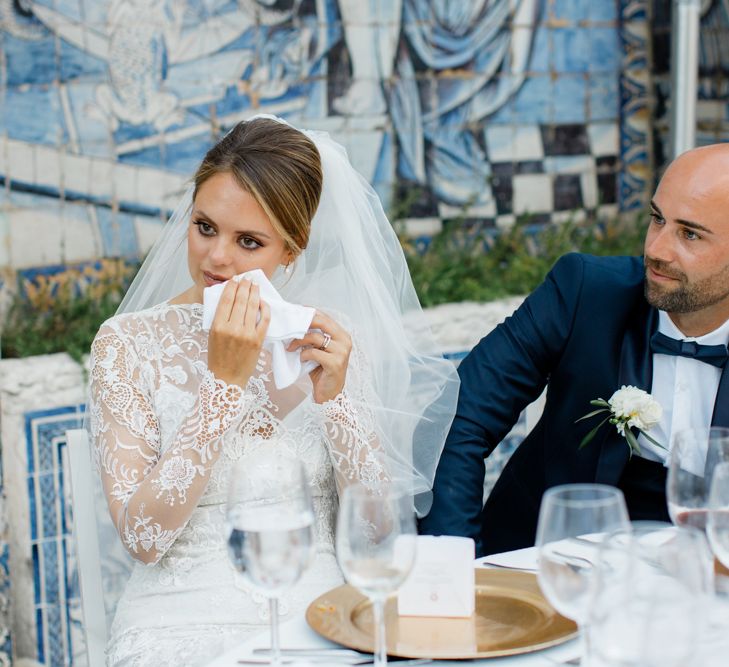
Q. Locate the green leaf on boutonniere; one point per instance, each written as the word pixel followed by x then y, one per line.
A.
pixel 592 433
pixel 592 414
pixel 600 402
pixel 632 441
pixel 653 440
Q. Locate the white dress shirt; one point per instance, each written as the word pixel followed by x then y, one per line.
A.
pixel 686 390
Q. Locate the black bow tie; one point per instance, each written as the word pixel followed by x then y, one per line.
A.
pixel 716 355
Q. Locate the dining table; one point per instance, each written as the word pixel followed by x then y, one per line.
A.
pixel 295 632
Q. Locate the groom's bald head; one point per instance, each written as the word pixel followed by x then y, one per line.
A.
pixel 687 244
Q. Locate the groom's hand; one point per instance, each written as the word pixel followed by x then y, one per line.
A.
pixel 237 333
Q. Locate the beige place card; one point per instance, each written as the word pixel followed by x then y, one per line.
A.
pixel 442 582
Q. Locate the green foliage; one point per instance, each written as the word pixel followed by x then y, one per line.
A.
pixel 463 264
pixel 62 313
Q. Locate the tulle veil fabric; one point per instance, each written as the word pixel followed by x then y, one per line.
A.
pixel 354 269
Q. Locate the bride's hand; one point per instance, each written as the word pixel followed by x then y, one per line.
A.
pixel 331 350
pixel 236 335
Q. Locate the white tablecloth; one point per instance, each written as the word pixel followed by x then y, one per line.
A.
pixel 296 633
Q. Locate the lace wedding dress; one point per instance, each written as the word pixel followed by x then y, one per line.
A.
pixel 166 434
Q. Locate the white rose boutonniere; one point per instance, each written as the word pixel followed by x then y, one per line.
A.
pixel 628 408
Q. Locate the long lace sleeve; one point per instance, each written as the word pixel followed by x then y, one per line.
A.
pixel 348 426
pixel 152 494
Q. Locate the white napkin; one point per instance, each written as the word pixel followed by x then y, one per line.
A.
pixel 582 547
pixel 288 322
pixel 519 559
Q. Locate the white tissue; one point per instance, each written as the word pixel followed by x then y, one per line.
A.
pixel 289 321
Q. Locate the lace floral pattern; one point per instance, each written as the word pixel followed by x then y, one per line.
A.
pixel 359 456
pixel 166 433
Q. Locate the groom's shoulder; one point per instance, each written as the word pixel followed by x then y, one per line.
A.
pixel 602 272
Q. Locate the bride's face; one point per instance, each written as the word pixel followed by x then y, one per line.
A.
pixel 230 234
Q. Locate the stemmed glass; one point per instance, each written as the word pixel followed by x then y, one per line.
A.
pixel 652 583
pixel 270 518
pixel 694 455
pixel 718 520
pixel 566 557
pixel 375 546
pixel 717 529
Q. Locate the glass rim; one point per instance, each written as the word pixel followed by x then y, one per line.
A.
pixel 559 493
pixel 688 437
pixel 638 530
pixel 693 432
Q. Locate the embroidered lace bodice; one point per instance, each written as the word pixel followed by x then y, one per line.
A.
pixel 166 433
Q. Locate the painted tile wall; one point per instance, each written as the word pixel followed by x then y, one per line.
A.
pixel 504 106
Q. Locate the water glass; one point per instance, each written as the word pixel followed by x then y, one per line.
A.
pixel 718 518
pixel 270 519
pixel 651 584
pixel 375 545
pixel 694 455
pixel 566 557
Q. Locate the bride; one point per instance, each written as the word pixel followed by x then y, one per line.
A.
pixel 173 406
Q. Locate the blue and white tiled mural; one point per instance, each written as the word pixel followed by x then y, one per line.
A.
pixel 501 106
pixel 56 604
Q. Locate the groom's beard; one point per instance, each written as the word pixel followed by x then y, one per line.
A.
pixel 685 296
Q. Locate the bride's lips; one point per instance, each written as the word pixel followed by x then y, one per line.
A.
pixel 213 279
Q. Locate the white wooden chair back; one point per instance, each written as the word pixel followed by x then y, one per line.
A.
pixel 87 545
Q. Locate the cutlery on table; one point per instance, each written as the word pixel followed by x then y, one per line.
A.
pixel 333 651
pixel 499 566
pixel 332 659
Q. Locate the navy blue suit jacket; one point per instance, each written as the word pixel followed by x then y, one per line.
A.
pixel 584 332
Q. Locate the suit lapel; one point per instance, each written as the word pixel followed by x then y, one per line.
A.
pixel 721 404
pixel 636 369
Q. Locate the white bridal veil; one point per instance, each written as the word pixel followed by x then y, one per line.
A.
pixel 354 269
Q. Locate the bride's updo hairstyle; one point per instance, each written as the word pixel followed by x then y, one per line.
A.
pixel 278 166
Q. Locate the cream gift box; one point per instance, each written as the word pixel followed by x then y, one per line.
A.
pixel 442 581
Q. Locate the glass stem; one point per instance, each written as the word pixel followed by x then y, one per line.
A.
pixel 275 646
pixel 378 612
pixel 583 637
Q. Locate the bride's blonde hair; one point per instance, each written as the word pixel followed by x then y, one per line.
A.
pixel 279 166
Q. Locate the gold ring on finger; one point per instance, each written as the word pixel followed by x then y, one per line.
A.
pixel 325 344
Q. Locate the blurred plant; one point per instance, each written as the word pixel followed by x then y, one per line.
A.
pixel 467 262
pixel 62 312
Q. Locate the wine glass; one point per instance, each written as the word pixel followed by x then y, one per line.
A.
pixel 718 519
pixel 270 518
pixel 375 546
pixel 717 529
pixel 694 455
pixel 651 584
pixel 566 557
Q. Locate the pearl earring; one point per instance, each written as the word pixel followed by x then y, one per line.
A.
pixel 287 269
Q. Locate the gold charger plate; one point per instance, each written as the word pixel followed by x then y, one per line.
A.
pixel 512 616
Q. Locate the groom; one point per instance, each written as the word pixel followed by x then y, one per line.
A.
pixel 595 324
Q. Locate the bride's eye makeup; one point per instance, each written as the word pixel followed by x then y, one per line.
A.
pixel 249 243
pixel 204 228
